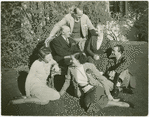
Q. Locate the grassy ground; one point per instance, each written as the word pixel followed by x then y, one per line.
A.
pixel 69 105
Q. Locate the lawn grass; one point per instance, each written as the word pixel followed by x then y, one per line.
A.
pixel 69 105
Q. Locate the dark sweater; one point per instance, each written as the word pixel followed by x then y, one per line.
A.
pixel 92 46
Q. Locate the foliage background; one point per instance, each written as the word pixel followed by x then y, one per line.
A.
pixel 26 24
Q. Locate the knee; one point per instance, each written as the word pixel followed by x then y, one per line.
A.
pixel 55 96
pixel 44 102
pixel 101 89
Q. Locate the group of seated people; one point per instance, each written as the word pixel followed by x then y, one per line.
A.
pixel 97 76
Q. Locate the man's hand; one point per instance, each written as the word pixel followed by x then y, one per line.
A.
pixel 112 74
pixel 96 57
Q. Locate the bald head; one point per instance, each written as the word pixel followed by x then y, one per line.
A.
pixel 65 28
pixel 66 31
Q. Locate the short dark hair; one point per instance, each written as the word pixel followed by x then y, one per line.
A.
pixel 79 7
pixel 120 48
pixel 43 51
pixel 81 57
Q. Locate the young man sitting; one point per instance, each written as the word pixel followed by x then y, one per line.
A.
pixel 117 71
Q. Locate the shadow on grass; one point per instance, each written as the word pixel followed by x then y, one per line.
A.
pixel 21 81
pixel 59 82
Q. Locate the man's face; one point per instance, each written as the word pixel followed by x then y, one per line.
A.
pixel 67 32
pixel 115 51
pixel 100 29
pixel 79 14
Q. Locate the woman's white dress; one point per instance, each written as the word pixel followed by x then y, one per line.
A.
pixel 36 86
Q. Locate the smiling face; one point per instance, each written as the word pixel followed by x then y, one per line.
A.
pixel 116 51
pixel 78 14
pixel 66 31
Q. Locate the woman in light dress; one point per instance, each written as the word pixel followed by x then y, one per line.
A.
pixel 36 87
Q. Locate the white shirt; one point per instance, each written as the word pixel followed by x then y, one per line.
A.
pixel 99 42
pixel 81 78
pixel 66 39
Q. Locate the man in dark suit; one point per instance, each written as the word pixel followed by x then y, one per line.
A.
pixel 63 47
pixel 117 71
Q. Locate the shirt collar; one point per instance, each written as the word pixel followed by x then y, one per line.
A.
pixel 64 37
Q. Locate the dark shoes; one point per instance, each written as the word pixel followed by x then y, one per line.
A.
pixel 127 90
pixel 115 92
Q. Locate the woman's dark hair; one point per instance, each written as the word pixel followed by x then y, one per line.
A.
pixel 43 51
pixel 81 57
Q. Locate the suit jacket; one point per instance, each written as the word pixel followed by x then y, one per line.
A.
pixel 92 46
pixel 61 48
pixel 69 21
pixel 121 68
pixel 118 66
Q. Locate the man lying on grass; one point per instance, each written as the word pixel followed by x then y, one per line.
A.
pixel 94 96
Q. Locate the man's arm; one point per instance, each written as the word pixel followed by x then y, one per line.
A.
pixel 122 66
pixel 90 25
pixel 90 52
pixel 55 29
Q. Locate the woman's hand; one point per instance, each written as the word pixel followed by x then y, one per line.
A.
pixel 56 68
pixel 96 57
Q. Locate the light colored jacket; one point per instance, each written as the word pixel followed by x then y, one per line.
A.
pixel 69 21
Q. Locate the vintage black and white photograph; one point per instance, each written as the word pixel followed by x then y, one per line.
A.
pixel 74 58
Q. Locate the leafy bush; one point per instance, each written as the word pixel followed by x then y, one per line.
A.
pixel 119 26
pixel 26 24
pixel 139 10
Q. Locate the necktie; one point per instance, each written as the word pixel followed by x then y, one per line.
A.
pixel 67 40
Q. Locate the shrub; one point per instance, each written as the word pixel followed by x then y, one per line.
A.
pixel 26 24
pixel 139 10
